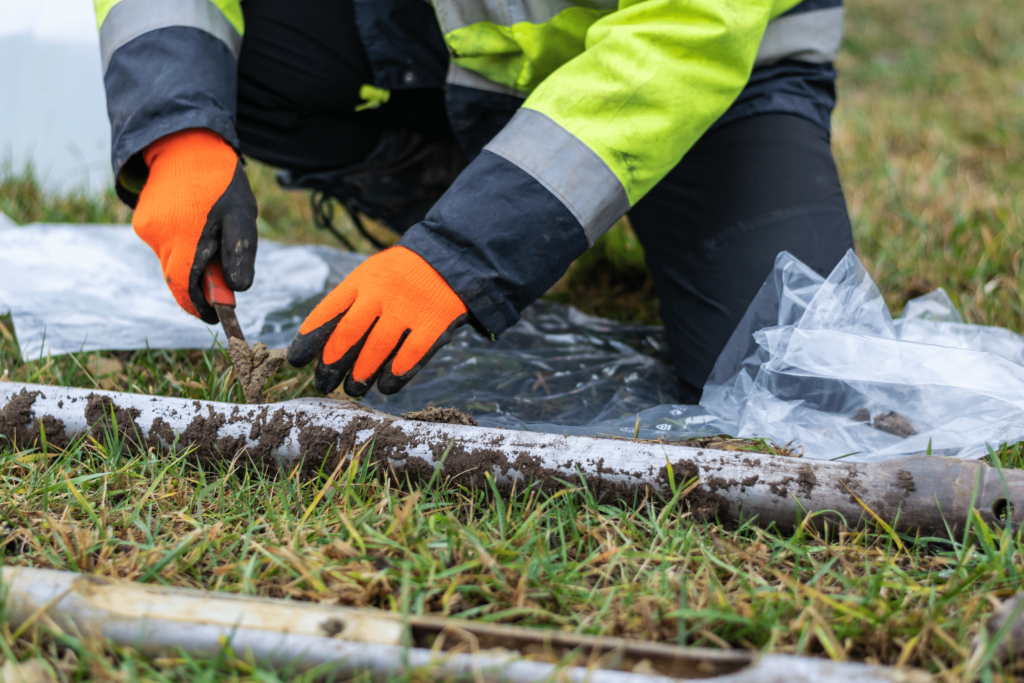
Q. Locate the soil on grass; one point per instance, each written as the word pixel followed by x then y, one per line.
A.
pixel 254 365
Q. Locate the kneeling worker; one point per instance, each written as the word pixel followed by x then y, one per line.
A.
pixel 501 138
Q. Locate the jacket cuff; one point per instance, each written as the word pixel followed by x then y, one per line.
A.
pixel 499 238
pixel 159 83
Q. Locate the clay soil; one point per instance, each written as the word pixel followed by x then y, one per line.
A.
pixel 253 366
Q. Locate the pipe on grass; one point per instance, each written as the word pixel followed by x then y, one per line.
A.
pixel 932 496
pixel 290 635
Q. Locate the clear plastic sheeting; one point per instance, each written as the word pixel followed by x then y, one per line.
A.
pixel 81 288
pixel 556 370
pixel 821 364
pixel 816 362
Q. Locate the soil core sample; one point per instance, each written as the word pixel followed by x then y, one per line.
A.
pixel 254 365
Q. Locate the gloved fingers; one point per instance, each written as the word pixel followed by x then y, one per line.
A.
pixel 380 348
pixel 415 351
pixel 306 348
pixel 351 329
pixel 236 213
pixel 329 375
pixel 338 342
pixel 178 264
pixel 204 254
pixel 318 326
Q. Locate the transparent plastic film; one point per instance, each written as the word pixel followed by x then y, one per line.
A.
pixel 817 363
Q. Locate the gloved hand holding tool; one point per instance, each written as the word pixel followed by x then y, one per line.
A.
pixel 198 213
pixel 197 205
pixel 381 324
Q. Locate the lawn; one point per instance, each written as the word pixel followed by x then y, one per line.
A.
pixel 929 137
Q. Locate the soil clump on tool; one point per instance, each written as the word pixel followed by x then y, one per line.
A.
pixel 254 365
pixel 448 416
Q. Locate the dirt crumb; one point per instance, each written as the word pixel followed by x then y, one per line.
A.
pixel 448 416
pixel 254 365
pixel 893 423
pixel 862 415
pixel 905 481
pixel 806 480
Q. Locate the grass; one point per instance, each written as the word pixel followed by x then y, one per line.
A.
pixel 929 139
pixel 640 570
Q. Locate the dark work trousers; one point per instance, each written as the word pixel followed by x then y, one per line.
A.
pixel 711 229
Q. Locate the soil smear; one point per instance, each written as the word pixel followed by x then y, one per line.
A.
pixel 905 481
pixel 18 427
pixel 254 365
pixel 448 416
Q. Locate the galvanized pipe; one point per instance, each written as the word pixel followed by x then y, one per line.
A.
pixel 928 495
pixel 284 634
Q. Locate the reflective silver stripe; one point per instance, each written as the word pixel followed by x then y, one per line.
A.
pixel 454 14
pixel 130 19
pixel 566 167
pixel 458 75
pixel 808 36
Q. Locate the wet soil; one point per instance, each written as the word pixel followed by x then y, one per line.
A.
pixel 253 366
pixel 891 422
pixel 702 503
pixel 18 427
pixel 448 416
pixel 391 452
pixel 905 481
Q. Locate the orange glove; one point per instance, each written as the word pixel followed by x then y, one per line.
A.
pixel 381 324
pixel 197 205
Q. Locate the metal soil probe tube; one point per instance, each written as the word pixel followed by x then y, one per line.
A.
pixel 931 495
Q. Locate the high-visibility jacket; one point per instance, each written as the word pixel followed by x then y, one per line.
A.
pixel 608 97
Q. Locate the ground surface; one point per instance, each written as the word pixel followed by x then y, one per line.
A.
pixel 929 137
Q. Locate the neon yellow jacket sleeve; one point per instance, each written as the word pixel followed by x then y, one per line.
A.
pixel 607 125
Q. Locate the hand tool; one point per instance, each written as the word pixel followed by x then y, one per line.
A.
pixel 218 295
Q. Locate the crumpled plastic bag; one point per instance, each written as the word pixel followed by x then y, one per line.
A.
pixel 820 364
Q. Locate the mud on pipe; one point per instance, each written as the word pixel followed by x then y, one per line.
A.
pixel 931 495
